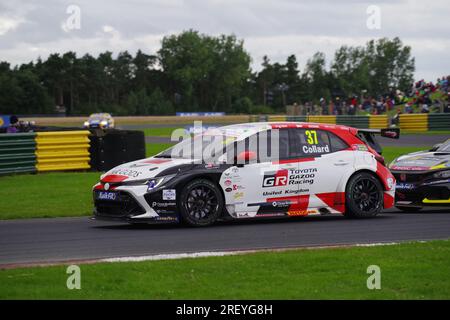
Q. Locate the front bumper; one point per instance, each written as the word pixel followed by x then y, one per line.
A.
pixel 135 204
pixel 422 193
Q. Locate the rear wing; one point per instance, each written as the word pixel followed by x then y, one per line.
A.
pixel 368 136
pixel 392 133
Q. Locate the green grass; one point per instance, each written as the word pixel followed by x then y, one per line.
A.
pixel 160 132
pixel 390 153
pixel 427 133
pixel 155 148
pixel 408 271
pixel 47 195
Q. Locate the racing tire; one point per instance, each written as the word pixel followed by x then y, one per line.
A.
pixel 363 196
pixel 201 203
pixel 409 209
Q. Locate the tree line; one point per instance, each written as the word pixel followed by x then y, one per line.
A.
pixel 198 72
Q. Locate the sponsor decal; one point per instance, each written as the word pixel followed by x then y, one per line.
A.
pixel 166 218
pixel 127 172
pixel 390 183
pixel 228 182
pixel 243 215
pixel 281 204
pixel 107 196
pixel 300 212
pixel 169 194
pixel 316 149
pixel 404 186
pixel 238 195
pixel 228 189
pixel 289 177
pixel 238 187
pixel 410 168
pixel 163 204
pixel 276 179
pixel 360 147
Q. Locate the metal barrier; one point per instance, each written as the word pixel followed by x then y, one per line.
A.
pixel 17 153
pixel 277 118
pixel 64 150
pixel 414 122
pixel 438 121
pixel 353 121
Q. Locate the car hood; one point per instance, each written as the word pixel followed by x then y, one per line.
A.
pixel 144 169
pixel 423 160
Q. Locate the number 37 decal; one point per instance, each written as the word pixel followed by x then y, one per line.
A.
pixel 312 137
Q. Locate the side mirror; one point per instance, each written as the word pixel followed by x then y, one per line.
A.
pixel 435 147
pixel 245 157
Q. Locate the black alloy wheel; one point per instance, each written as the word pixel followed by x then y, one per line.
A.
pixel 201 203
pixel 364 196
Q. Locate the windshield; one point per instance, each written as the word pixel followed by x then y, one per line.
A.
pixel 204 147
pixel 98 117
pixel 445 147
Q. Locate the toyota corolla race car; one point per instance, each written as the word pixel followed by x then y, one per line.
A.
pixel 249 171
pixel 423 178
pixel 99 120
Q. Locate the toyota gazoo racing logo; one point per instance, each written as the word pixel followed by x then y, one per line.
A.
pixel 289 177
pixel 275 179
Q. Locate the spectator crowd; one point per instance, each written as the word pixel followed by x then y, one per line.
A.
pixel 423 97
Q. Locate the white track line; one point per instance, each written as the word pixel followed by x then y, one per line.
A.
pixel 174 256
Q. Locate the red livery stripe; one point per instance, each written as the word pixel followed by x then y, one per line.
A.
pixel 293 160
pixel 114 178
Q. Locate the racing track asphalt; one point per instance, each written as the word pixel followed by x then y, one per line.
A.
pixel 71 239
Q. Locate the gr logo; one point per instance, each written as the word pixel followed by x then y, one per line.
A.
pixel 275 179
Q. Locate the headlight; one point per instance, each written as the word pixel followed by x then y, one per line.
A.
pixel 86 124
pixel 442 174
pixel 103 123
pixel 151 183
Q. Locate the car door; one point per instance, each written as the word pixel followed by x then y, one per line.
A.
pixel 262 188
pixel 327 164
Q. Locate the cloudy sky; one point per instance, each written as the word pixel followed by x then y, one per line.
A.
pixel 29 29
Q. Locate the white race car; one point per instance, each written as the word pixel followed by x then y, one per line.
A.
pixel 252 170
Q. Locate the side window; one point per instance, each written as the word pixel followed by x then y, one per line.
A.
pixel 337 144
pixel 309 142
pixel 273 145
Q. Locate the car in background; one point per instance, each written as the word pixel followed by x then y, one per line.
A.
pixel 99 120
pixel 252 170
pixel 423 178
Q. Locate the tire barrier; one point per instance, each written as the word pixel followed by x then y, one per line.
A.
pixel 17 153
pixel 322 119
pixel 111 148
pixel 414 122
pixel 378 122
pixel 63 150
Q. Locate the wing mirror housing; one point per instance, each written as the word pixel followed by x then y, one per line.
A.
pixel 245 157
pixel 435 147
